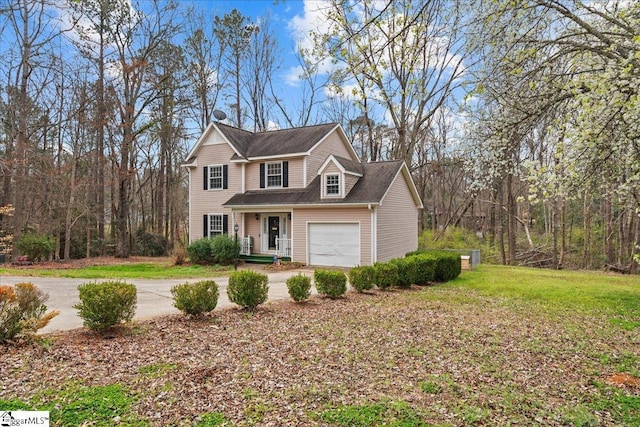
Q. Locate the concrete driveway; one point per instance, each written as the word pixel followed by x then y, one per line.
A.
pixel 154 296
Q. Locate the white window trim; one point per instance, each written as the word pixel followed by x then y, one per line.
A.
pixel 266 173
pixel 210 231
pixel 325 184
pixel 210 169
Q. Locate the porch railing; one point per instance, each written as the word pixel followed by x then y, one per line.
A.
pixel 246 244
pixel 283 247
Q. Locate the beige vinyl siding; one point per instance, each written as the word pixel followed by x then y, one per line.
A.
pixel 350 181
pixel 253 229
pixel 397 222
pixel 296 179
pixel 332 144
pixel 301 217
pixel 331 168
pixel 210 201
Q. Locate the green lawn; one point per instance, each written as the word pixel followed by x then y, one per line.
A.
pixel 123 271
pixel 557 292
pixel 495 347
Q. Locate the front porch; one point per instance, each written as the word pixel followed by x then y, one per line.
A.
pixel 261 259
pixel 282 248
pixel 265 236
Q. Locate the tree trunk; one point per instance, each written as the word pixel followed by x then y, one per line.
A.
pixel 586 215
pixel 512 222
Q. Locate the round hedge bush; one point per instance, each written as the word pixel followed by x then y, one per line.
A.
pixel 332 284
pixel 106 304
pixel 299 287
pixel 247 288
pixel 195 299
pixel 386 274
pixel 425 268
pixel 362 278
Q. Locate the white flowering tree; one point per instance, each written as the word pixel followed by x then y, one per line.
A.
pixel 557 108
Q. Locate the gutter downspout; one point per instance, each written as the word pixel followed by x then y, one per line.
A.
pixel 374 234
pixel 242 180
pixel 190 203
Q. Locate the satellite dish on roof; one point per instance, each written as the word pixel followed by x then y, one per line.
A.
pixel 219 115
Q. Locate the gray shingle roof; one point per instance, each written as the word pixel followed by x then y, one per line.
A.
pixel 277 142
pixel 370 188
pixel 350 165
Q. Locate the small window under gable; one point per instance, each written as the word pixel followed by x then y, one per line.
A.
pixel 332 185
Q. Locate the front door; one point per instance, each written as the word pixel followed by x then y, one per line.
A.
pixel 274 231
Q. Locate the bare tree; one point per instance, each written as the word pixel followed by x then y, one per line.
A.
pixel 204 54
pixel 261 65
pixel 136 37
pixel 26 74
pixel 403 55
pixel 234 32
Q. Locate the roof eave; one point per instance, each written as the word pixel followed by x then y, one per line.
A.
pixel 272 206
pixel 277 156
pixel 190 165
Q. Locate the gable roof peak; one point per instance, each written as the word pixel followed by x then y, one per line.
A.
pixel 274 143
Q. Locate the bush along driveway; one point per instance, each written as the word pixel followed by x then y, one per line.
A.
pixel 154 295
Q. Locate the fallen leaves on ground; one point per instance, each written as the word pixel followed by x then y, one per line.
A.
pixel 285 362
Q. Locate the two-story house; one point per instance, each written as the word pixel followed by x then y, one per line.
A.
pixel 302 194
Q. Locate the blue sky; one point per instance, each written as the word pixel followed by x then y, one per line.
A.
pixel 292 20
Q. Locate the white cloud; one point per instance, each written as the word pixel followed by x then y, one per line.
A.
pixel 273 125
pixel 292 76
pixel 313 19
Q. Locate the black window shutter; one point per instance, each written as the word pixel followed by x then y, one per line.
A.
pixel 205 178
pixel 205 229
pixel 262 174
pixel 225 224
pixel 225 177
pixel 285 174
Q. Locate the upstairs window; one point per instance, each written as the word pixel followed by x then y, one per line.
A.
pixel 215 177
pixel 274 174
pixel 332 184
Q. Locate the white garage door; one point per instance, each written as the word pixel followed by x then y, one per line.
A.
pixel 334 244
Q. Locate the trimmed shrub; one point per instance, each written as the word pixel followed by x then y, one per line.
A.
pixel 22 311
pixel 106 304
pixel 362 278
pixel 247 288
pixel 386 274
pixel 224 249
pixel 199 252
pixel 195 299
pixel 37 247
pixel 448 266
pixel 299 287
pixel 407 271
pixel 425 268
pixel 332 284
